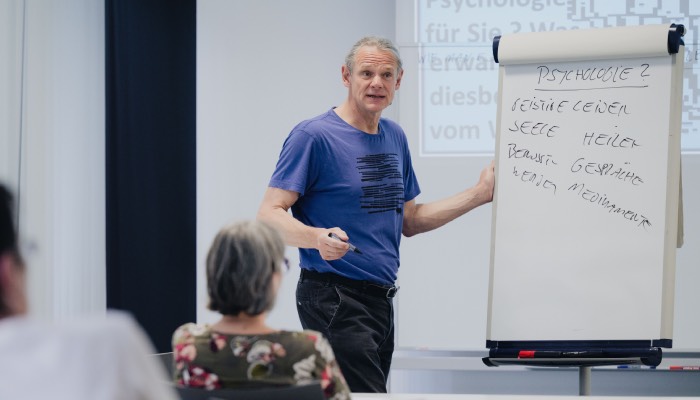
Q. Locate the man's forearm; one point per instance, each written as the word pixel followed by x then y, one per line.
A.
pixel 429 216
pixel 294 232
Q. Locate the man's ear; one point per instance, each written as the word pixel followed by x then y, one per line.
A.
pixel 8 272
pixel 12 285
pixel 5 269
pixel 345 73
pixel 398 80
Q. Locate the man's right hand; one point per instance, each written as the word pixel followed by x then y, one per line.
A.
pixel 330 248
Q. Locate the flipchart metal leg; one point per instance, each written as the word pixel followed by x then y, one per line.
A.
pixel 584 381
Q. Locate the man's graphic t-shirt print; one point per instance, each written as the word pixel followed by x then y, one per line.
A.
pixel 382 183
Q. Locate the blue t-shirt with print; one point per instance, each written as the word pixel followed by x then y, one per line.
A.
pixel 353 180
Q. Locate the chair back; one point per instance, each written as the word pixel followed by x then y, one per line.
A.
pixel 167 360
pixel 310 391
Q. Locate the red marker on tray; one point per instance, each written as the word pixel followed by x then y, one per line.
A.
pixel 539 354
pixel 684 368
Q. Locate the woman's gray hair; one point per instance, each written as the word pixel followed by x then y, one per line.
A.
pixel 240 264
pixel 382 44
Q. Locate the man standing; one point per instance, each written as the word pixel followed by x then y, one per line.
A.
pixel 348 178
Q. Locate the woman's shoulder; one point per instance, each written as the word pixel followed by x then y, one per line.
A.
pixel 308 339
pixel 313 335
pixel 314 341
pixel 307 335
pixel 191 330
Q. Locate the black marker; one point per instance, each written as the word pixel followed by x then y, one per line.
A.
pixel 352 246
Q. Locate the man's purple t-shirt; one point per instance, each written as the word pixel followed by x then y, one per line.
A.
pixel 353 180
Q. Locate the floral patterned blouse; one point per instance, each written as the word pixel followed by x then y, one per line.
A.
pixel 207 359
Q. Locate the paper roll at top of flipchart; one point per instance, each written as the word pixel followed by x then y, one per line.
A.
pixel 584 44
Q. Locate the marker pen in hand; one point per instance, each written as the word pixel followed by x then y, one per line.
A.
pixel 352 246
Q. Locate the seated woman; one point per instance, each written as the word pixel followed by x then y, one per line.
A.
pixel 244 271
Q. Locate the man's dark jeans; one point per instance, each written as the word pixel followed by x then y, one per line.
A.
pixel 359 326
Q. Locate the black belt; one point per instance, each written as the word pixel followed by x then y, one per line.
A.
pixel 363 286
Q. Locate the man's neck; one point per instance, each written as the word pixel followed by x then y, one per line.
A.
pixel 368 123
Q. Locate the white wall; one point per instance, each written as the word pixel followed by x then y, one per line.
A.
pixel 11 29
pixel 444 273
pixel 52 120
